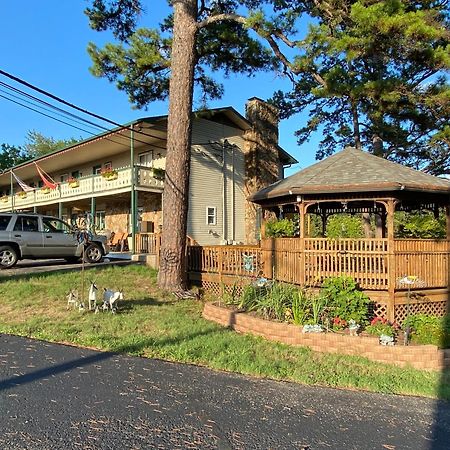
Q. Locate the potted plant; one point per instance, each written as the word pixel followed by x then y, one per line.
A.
pixel 73 182
pixel 22 194
pixel 4 199
pixel 385 330
pixel 158 173
pixel 109 174
pixel 45 190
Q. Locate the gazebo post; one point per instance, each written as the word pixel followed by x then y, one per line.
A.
pixel 390 210
pixel 447 217
pixel 302 222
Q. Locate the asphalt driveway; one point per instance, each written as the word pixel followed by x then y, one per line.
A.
pixel 60 397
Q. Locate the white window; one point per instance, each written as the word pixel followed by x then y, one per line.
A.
pixel 146 159
pixel 210 215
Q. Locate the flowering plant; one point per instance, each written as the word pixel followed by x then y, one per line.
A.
pixel 4 199
pixel 108 173
pixel 381 326
pixel 73 182
pixel 339 324
pixel 22 194
pixel 45 190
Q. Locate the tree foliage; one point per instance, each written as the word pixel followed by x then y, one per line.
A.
pixel 10 156
pixel 140 62
pixel 372 74
pixel 36 144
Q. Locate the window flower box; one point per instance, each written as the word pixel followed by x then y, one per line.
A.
pixel 158 173
pixel 73 183
pixel 45 190
pixel 22 194
pixel 109 174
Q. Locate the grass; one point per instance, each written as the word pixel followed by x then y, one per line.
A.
pixel 153 324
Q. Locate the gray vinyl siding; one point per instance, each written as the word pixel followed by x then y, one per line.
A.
pixel 207 184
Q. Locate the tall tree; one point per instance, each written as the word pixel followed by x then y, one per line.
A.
pixel 150 64
pixel 372 73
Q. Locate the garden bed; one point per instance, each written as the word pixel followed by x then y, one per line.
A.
pixel 428 357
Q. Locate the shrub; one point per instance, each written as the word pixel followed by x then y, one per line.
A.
pixel 344 226
pixel 280 228
pixel 345 300
pixel 427 329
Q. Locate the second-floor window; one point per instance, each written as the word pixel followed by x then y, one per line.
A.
pixel 146 159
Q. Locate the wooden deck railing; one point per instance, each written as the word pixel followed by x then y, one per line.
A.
pixel 424 258
pixel 308 261
pixel 147 243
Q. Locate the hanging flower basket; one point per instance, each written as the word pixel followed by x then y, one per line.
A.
pixel 73 183
pixel 22 194
pixel 109 174
pixel 45 190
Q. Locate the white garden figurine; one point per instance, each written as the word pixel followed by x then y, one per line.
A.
pixel 72 298
pixel 92 296
pixel 110 299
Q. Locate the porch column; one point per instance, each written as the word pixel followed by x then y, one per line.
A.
pixel 302 222
pixel 93 207
pixel 35 209
pixel 133 193
pixel 390 209
pixel 60 210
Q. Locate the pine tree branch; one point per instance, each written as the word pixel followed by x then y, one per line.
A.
pixel 221 18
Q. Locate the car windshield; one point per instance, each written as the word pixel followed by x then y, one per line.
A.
pixel 4 221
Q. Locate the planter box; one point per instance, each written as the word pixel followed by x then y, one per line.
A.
pixel 418 356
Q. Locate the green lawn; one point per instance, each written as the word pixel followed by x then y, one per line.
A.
pixel 153 324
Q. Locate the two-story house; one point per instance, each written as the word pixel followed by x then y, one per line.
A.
pixel 118 176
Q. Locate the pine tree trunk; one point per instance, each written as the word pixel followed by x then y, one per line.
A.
pixel 172 270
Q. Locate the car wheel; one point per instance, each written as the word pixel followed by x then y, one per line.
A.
pixel 8 256
pixel 72 259
pixel 93 254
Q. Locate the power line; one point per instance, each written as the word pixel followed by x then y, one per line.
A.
pixel 74 117
pixel 71 105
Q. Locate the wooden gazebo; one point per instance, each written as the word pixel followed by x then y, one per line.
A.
pixel 354 182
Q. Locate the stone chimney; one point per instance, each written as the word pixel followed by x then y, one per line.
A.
pixel 262 161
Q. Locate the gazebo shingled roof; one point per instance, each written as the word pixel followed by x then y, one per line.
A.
pixel 352 170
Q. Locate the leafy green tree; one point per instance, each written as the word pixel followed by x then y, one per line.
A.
pixel 344 226
pixel 37 144
pixel 10 156
pixel 419 225
pixel 372 74
pixel 151 64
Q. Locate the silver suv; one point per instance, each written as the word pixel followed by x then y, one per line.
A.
pixel 36 236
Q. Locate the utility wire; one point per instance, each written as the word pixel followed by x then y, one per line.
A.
pixel 73 117
pixel 71 105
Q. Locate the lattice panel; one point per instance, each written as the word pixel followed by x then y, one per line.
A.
pixel 431 308
pixel 212 287
pixel 378 310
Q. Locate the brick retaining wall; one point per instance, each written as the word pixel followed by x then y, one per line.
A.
pixel 427 357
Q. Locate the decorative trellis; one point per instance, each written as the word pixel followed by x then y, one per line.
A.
pixel 431 308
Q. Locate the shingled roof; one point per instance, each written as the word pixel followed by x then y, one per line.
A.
pixel 352 170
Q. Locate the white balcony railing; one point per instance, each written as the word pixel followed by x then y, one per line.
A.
pixel 93 185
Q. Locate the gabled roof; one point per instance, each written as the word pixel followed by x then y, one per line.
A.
pixel 352 170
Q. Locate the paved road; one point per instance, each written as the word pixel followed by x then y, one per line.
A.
pixel 59 397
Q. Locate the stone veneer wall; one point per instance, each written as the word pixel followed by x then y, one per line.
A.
pixel 427 357
pixel 262 162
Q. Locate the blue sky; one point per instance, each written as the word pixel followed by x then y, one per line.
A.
pixel 44 42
